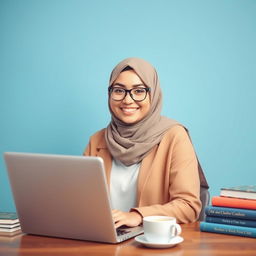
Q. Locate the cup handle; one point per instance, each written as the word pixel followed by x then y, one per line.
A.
pixel 176 229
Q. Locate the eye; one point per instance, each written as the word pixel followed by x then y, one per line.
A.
pixel 117 90
pixel 139 91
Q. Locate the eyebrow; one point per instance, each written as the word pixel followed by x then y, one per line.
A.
pixel 134 85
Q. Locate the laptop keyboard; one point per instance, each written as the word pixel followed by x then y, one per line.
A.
pixel 121 231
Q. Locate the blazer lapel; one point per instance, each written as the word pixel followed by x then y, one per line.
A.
pixel 145 171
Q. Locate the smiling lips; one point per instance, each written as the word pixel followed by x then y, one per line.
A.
pixel 129 111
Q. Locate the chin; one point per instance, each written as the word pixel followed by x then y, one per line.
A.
pixel 130 120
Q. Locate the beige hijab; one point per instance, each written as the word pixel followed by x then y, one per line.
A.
pixel 130 143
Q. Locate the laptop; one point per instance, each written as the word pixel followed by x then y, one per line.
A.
pixel 63 196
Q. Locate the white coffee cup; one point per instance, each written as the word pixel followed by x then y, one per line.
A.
pixel 160 229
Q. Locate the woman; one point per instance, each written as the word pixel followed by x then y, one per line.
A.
pixel 150 163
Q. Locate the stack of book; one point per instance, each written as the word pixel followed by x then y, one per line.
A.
pixel 9 224
pixel 233 212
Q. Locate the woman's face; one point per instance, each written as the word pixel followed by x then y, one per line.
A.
pixel 128 110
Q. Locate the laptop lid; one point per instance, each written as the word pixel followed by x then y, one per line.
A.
pixel 63 196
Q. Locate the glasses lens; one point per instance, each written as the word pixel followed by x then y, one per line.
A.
pixel 139 94
pixel 117 93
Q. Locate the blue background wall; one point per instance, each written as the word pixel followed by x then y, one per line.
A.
pixel 56 57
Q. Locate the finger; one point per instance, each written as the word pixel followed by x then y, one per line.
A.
pixel 116 212
pixel 120 219
pixel 116 219
pixel 119 223
pixel 117 216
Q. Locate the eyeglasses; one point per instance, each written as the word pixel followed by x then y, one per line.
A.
pixel 137 94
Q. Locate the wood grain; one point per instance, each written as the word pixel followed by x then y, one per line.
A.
pixel 195 243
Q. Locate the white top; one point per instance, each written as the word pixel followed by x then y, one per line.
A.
pixel 123 185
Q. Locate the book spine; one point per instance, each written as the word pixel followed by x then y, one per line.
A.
pixel 238 194
pixel 9 229
pixel 234 202
pixel 227 229
pixel 231 221
pixel 230 212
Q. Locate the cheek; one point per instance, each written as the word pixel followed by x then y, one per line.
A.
pixel 112 105
pixel 146 106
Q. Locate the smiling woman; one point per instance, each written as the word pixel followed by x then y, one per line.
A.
pixel 150 163
pixel 129 100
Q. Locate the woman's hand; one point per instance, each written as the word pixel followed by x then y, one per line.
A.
pixel 130 219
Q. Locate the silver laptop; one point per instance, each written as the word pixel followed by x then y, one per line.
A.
pixel 63 196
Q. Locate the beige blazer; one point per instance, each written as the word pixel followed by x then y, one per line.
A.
pixel 168 181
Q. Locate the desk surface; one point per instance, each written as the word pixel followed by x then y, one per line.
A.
pixel 195 243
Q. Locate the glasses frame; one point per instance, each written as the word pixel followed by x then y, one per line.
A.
pixel 110 90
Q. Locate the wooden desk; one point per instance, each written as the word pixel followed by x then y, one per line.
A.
pixel 195 243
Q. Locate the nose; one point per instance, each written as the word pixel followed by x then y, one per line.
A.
pixel 128 99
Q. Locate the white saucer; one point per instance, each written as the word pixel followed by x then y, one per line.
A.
pixel 174 241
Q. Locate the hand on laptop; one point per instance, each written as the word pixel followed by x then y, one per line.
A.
pixel 130 219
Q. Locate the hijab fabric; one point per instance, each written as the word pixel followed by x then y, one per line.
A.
pixel 130 143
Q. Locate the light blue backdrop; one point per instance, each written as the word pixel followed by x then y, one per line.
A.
pixel 56 57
